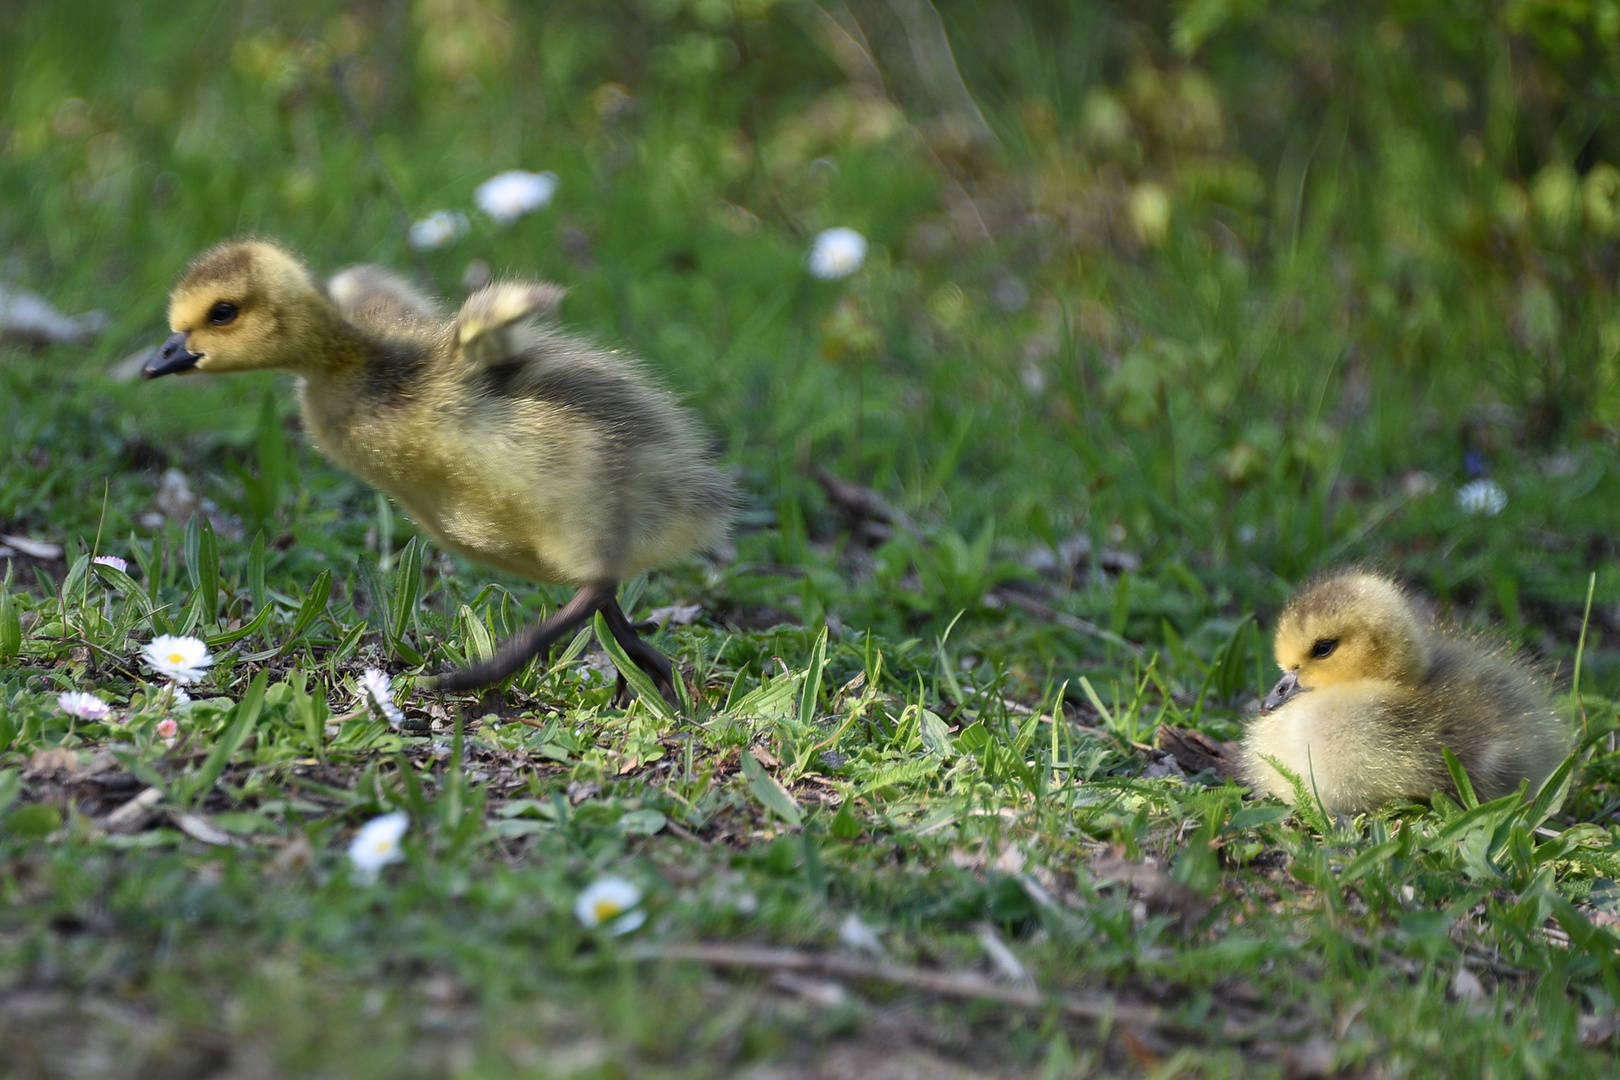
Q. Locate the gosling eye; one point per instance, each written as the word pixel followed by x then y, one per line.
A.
pixel 1324 648
pixel 222 313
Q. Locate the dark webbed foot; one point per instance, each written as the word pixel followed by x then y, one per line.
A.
pixel 537 640
pixel 647 658
pixel 525 645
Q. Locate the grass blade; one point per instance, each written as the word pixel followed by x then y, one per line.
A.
pixel 1459 776
pixel 207 569
pixel 380 595
pixel 243 719
pixel 255 572
pixel 313 606
pixel 10 621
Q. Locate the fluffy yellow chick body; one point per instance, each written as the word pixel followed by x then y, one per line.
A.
pixel 1370 697
pixel 507 441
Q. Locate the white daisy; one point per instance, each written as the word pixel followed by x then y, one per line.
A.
pixel 183 659
pixel 113 561
pixel 513 193
pixel 377 844
pixel 178 696
pixel 84 706
pixel 1483 498
pixel 439 229
pixel 854 933
pixel 610 901
pixel 378 696
pixel 836 253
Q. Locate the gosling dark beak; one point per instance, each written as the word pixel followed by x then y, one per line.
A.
pixel 1286 687
pixel 171 357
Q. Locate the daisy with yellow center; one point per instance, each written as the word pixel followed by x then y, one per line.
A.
pixel 84 706
pixel 377 695
pixel 610 902
pixel 183 659
pixel 377 844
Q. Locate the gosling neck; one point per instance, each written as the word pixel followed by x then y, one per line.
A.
pixel 322 345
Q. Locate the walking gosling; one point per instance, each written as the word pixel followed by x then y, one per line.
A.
pixel 506 440
pixel 1370 695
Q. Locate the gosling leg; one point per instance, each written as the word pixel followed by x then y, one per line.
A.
pixel 647 658
pixel 537 640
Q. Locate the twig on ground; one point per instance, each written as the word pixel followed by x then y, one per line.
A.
pixel 861 505
pixel 685 833
pixel 952 984
pixel 134 813
pixel 117 664
pixel 1031 606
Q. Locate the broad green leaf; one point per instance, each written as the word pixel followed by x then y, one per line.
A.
pixel 844 824
pixel 243 719
pixel 1553 791
pixel 207 568
pixel 250 627
pixel 1229 674
pixel 480 642
pixel 10 621
pixel 576 648
pixel 34 822
pixel 901 774
pixel 771 795
pixel 320 590
pixel 1459 776
pixel 407 588
pixel 1254 817
pixel 810 688
pixel 126 586
pixel 638 679
pixel 378 593
pixel 346 646
pixel 771 702
pixel 936 737
pixel 76 575
pixel 642 822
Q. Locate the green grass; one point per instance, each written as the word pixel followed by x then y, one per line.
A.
pixel 1383 264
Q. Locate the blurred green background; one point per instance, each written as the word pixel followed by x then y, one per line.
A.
pixel 1244 288
pixel 1214 293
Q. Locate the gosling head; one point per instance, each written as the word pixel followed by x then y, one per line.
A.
pixel 241 307
pixel 1346 628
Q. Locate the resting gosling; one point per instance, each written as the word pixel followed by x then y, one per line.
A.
pixel 1369 696
pixel 506 440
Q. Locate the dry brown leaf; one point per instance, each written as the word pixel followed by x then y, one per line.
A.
pixel 1158 890
pixel 53 763
pixel 1194 751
